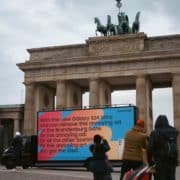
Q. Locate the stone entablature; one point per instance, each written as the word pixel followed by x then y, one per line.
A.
pixel 168 42
pixel 105 46
pixel 11 111
pixel 67 51
pixel 116 45
pixel 99 52
pixel 15 113
pixel 128 65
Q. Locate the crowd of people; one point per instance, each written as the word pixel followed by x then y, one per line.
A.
pixel 158 152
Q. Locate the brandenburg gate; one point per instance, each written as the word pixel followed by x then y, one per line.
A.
pixel 56 77
pixel 123 59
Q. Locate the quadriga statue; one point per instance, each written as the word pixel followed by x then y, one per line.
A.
pixel 121 28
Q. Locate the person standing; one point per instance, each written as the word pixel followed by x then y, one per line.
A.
pixel 135 144
pixel 100 160
pixel 162 149
pixel 17 144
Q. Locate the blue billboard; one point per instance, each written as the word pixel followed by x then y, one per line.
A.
pixel 66 135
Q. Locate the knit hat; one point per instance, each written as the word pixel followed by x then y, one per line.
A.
pixel 140 122
pixel 18 133
pixel 97 138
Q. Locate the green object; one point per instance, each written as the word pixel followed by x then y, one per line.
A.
pixel 123 23
pixel 136 23
pixel 122 27
pixel 101 28
pixel 111 28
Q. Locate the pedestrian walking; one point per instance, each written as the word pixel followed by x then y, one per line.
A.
pixel 135 144
pixel 162 149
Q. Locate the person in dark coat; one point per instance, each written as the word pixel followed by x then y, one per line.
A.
pixel 165 167
pixel 98 150
pixel 17 144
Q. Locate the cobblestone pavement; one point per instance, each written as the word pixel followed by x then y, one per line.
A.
pixel 55 174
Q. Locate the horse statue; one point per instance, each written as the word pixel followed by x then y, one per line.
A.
pixel 123 23
pixel 136 23
pixel 102 29
pixel 111 28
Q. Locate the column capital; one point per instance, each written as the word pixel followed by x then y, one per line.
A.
pixel 143 76
pixel 61 81
pixel 29 83
pixel 175 75
pixel 94 79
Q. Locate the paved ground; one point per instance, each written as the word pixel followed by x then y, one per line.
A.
pixel 54 174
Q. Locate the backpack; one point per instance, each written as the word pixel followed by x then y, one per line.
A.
pixel 169 148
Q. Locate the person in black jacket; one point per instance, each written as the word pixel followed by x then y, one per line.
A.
pixel 99 149
pixel 17 144
pixel 165 165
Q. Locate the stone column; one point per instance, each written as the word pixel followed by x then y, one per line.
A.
pixel 61 95
pixel 29 112
pixel 94 92
pixel 74 95
pixel 104 93
pixel 44 98
pixel 144 100
pixel 176 103
pixel 16 125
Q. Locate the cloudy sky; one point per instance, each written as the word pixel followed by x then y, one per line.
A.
pixel 37 23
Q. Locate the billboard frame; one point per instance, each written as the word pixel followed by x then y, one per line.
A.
pixel 76 163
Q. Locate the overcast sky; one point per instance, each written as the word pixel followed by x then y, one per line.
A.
pixel 37 23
